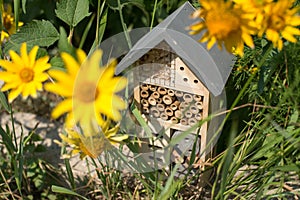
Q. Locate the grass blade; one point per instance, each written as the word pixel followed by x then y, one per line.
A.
pixel 63 190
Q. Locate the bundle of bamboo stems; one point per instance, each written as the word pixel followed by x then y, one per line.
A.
pixel 171 105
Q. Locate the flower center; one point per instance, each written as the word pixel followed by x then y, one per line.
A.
pixel 26 75
pixel 222 24
pixel 87 92
pixel 7 21
pixel 276 22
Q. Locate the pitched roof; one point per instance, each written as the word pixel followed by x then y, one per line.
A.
pixel 211 67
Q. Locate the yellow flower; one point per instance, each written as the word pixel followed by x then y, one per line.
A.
pixel 280 21
pixel 24 75
pixel 94 143
pixel 225 24
pixel 88 89
pixel 8 23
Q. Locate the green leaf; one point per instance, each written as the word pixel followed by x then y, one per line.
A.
pixel 24 6
pixel 72 11
pixel 3 102
pixel 40 33
pixel 286 168
pixel 7 140
pixel 57 63
pixel 63 190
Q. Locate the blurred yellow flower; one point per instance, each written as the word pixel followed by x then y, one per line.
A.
pixel 9 23
pixel 89 90
pixel 225 24
pixel 24 75
pixel 280 20
pixel 94 143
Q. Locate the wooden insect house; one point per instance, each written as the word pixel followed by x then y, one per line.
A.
pixel 176 81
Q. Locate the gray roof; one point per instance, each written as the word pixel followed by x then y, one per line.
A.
pixel 211 67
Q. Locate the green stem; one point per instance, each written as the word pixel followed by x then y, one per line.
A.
pixel 153 14
pixel 13 125
pixel 71 35
pixel 124 25
pixel 16 11
pixel 86 31
pixel 99 13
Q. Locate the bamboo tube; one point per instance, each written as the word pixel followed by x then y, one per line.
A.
pixel 184 121
pixel 188 114
pixel 160 107
pixel 144 93
pixel 174 120
pixel 167 99
pixel 155 95
pixel 145 103
pixel 197 97
pixel 154 112
pixel 159 100
pixel 164 116
pixel 146 110
pixel 178 93
pixel 169 111
pixel 187 97
pixel 171 92
pixel 144 86
pixel 152 101
pixel 199 105
pixel 183 106
pixel 192 121
pixel 178 114
pixel 198 116
pixel 194 109
pixel 152 87
pixel 174 106
pixel 162 90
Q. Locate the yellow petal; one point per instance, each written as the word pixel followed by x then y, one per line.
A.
pixel 71 64
pixel 117 139
pixel 289 36
pixel 14 93
pixel 199 26
pixel 32 55
pixel 24 55
pixel 62 77
pixel 9 66
pixel 295 21
pixel 211 43
pixel 63 107
pixel 29 89
pixel 272 35
pixel 8 77
pixel 292 30
pixel 81 55
pixel 4 35
pixel 11 85
pixel 109 70
pixel 16 59
pixel 42 64
pixel 248 40
pixel 60 89
pixel 40 77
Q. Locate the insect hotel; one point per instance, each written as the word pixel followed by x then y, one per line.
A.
pixel 175 82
